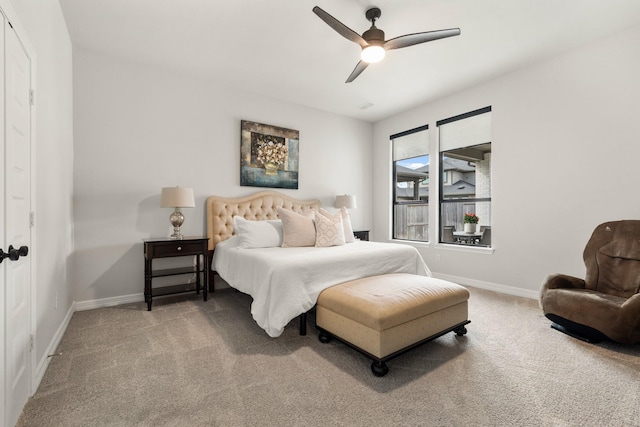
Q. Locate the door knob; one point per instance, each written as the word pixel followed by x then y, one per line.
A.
pixel 14 254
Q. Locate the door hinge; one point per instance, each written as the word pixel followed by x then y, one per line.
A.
pixel 32 97
pixel 31 342
pixel 32 219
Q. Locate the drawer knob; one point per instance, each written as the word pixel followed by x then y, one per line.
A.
pixel 179 248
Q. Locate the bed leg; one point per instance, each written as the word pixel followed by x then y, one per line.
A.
pixel 303 324
pixel 212 273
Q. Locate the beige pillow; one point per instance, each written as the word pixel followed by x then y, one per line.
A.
pixel 346 223
pixel 329 230
pixel 298 229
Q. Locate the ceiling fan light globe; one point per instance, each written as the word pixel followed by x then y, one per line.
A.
pixel 372 54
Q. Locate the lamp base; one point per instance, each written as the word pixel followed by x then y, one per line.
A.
pixel 176 220
pixel 176 236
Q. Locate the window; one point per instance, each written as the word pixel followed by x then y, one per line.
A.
pixel 465 162
pixel 411 184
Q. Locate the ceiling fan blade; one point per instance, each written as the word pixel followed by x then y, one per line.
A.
pixel 360 66
pixel 342 29
pixel 417 38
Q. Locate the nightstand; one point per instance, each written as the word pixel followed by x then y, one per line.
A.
pixel 171 248
pixel 362 235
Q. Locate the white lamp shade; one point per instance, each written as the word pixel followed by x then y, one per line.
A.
pixel 345 201
pixel 177 197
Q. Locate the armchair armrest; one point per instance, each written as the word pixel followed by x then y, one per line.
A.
pixel 562 281
pixel 559 281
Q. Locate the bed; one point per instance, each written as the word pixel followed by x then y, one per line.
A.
pixel 285 282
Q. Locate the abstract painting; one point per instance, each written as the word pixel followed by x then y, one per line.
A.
pixel 268 156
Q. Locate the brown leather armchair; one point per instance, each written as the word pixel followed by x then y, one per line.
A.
pixel 606 304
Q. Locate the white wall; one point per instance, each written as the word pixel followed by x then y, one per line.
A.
pixel 565 150
pixel 139 128
pixel 53 243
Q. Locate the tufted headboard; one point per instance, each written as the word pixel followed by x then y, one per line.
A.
pixel 258 206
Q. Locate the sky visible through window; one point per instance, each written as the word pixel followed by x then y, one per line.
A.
pixel 414 162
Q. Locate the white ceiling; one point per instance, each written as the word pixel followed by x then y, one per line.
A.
pixel 281 49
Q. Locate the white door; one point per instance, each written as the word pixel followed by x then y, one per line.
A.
pixel 17 232
pixel 3 418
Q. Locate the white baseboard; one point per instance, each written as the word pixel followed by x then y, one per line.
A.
pixel 108 302
pixel 41 368
pixel 509 290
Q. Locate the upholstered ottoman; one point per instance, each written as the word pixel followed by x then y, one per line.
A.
pixel 384 316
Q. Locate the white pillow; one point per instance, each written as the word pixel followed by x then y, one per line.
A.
pixel 299 230
pixel 329 230
pixel 346 223
pixel 348 228
pixel 257 234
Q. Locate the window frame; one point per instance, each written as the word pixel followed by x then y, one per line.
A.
pixel 394 198
pixel 441 184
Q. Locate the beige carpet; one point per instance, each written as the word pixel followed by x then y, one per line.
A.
pixel 191 363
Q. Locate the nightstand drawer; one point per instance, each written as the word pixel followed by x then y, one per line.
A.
pixel 177 248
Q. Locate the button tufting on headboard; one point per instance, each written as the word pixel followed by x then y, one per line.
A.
pixel 259 206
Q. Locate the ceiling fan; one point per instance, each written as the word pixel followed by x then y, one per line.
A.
pixel 372 41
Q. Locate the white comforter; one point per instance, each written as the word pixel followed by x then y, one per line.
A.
pixel 285 282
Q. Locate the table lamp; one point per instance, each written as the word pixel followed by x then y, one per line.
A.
pixel 177 197
pixel 345 201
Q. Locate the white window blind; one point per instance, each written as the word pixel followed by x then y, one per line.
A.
pixel 412 145
pixel 465 132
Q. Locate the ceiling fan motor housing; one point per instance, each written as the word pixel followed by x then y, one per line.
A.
pixel 374 36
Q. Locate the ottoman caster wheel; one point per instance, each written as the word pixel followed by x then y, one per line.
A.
pixel 379 369
pixel 324 337
pixel 460 331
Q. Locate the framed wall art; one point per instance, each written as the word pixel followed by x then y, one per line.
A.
pixel 268 156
